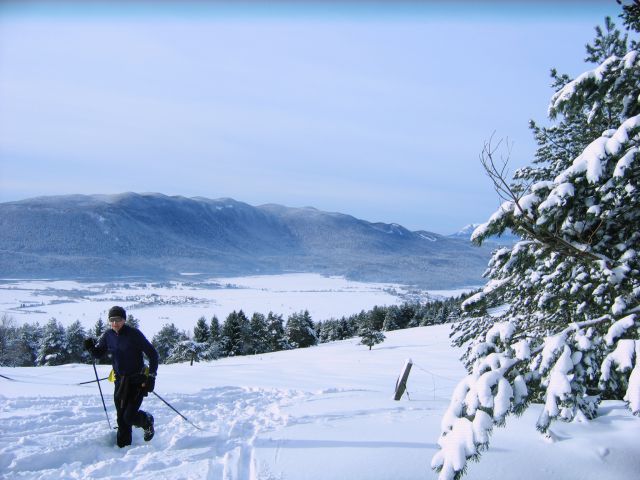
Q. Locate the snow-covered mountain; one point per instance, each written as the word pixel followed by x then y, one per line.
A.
pixel 155 235
pixel 465 234
pixel 466 231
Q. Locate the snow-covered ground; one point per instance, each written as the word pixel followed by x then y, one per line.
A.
pixel 324 412
pixel 182 303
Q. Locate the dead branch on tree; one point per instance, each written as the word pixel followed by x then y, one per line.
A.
pixel 526 222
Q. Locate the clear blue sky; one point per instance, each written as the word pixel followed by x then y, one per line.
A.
pixel 375 109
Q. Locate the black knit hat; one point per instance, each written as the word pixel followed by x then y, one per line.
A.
pixel 117 312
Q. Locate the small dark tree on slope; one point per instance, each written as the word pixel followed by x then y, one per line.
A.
pixel 369 335
pixel 570 335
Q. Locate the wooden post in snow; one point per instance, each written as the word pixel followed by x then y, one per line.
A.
pixel 401 383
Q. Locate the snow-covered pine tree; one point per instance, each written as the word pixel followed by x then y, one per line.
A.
pixel 166 340
pixel 377 315
pixel 75 335
pixel 98 329
pixel 276 338
pixel 330 331
pixel 19 345
pixel 8 340
pixel 133 321
pixel 259 338
pixel 391 319
pixel 369 336
pixel 569 333
pixel 96 332
pixel 187 350
pixel 29 337
pixel 53 344
pixel 201 331
pixel 214 350
pixel 202 338
pixel 349 326
pixel 214 330
pixel 234 334
pixel 299 331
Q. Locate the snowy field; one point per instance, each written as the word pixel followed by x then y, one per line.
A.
pixel 324 412
pixel 182 303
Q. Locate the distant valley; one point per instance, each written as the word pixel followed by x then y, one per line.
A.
pixel 160 237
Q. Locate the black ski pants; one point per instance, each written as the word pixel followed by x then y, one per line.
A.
pixel 128 396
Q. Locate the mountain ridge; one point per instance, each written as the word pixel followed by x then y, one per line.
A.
pixel 155 235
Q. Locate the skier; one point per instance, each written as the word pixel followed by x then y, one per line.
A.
pixel 126 345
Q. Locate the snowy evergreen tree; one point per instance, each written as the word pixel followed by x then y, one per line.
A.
pixel 166 340
pixel 391 319
pixel 299 330
pixel 187 350
pixel 407 312
pixel 8 341
pixel 214 349
pixel 569 334
pixel 29 338
pixel 330 331
pixel 201 331
pixel 214 330
pixel 349 325
pixel 75 336
pixel 19 346
pixel 133 321
pixel 377 315
pixel 442 314
pixel 259 334
pixel 276 338
pixel 234 334
pixel 96 332
pixel 98 329
pixel 369 335
pixel 53 344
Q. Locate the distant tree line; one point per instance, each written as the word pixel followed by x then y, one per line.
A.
pixel 53 344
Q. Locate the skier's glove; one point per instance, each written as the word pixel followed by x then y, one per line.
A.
pixel 90 344
pixel 150 383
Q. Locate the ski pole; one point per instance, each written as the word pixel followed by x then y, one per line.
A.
pixel 172 408
pixel 101 396
pixel 89 381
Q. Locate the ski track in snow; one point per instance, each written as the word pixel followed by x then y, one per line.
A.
pixel 37 432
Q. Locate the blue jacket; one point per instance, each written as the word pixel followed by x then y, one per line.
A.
pixel 126 348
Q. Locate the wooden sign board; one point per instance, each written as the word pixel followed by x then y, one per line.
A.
pixel 401 383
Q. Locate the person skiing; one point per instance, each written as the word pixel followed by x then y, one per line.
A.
pixel 126 345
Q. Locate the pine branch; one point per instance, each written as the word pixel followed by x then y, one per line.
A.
pixel 550 240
